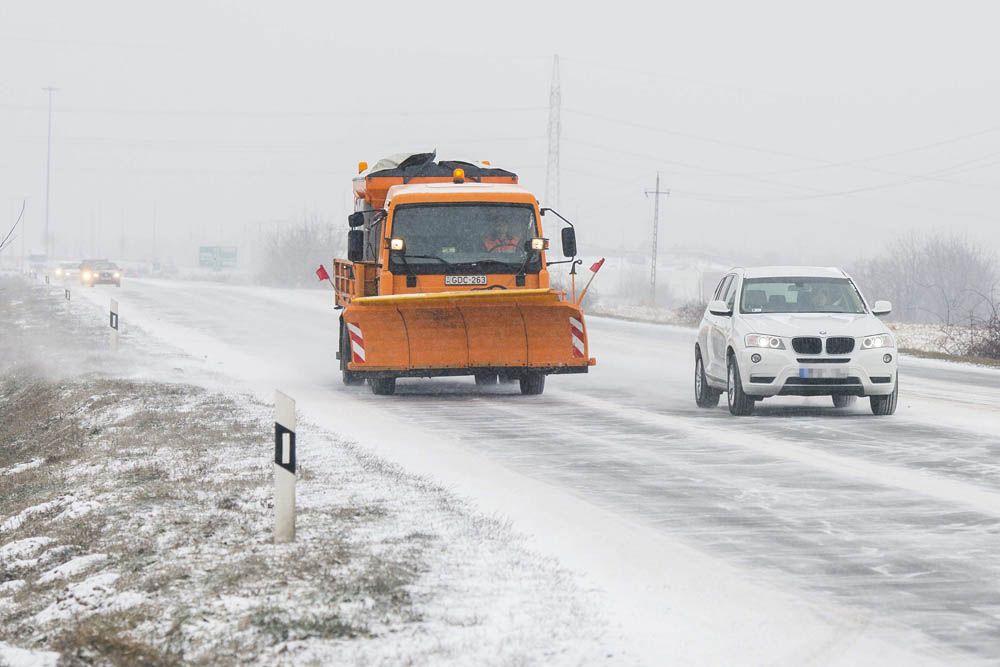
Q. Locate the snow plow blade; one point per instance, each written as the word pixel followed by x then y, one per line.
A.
pixel 514 332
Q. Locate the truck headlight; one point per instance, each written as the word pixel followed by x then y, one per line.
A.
pixel 539 244
pixel 117 275
pixel 877 341
pixel 86 275
pixel 770 342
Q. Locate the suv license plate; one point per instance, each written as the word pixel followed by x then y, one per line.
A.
pixel 822 372
pixel 465 280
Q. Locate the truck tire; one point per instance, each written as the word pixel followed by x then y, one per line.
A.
pixel 383 386
pixel 350 378
pixel 883 406
pixel 532 384
pixel 844 401
pixel 740 405
pixel 486 379
pixel 704 395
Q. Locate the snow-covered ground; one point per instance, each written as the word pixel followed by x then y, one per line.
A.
pixel 803 535
pixel 135 528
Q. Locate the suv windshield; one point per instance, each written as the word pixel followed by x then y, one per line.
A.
pixel 800 295
pixel 460 237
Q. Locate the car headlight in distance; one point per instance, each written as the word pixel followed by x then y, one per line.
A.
pixel 770 342
pixel 877 341
pixel 86 275
pixel 117 275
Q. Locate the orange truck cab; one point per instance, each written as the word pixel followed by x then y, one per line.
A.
pixel 447 274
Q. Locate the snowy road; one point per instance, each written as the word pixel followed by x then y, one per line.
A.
pixel 890 526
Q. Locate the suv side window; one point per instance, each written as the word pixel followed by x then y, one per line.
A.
pixel 730 297
pixel 721 289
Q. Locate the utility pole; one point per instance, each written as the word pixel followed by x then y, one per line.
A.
pixel 48 170
pixel 656 234
pixel 24 234
pixel 555 129
pixel 154 233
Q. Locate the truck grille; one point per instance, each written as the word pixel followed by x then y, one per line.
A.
pixel 839 345
pixel 807 345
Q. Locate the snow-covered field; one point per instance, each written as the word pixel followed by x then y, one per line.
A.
pixel 803 535
pixel 135 528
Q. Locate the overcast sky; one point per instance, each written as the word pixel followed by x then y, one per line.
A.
pixel 807 131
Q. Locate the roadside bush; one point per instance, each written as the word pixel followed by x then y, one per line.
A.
pixel 288 256
pixel 690 313
pixel 939 279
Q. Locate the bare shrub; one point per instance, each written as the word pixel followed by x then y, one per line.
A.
pixel 938 279
pixel 290 254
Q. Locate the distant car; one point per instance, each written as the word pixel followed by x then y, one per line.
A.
pixel 100 272
pixel 794 331
pixel 67 270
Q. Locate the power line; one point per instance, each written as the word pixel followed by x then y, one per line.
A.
pixel 227 113
pixel 822 163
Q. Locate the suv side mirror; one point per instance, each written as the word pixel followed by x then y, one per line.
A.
pixel 356 219
pixel 881 308
pixel 569 242
pixel 719 307
pixel 355 245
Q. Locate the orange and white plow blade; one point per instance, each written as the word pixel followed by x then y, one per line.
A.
pixel 451 331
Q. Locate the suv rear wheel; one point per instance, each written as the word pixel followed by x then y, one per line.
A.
pixel 740 404
pixel 704 395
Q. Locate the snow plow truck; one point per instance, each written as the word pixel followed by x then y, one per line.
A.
pixel 447 275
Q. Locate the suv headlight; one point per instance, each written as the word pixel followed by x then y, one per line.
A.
pixel 877 341
pixel 770 342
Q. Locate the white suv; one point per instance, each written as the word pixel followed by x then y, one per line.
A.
pixel 794 331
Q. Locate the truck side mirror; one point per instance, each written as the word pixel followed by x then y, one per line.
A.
pixel 569 242
pixel 356 219
pixel 355 245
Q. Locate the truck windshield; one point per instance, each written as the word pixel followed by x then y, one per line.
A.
pixel 464 238
pixel 800 295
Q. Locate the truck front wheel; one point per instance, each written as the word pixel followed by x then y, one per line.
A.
pixel 532 384
pixel 350 378
pixel 383 386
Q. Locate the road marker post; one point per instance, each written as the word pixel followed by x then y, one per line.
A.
pixel 284 468
pixel 113 321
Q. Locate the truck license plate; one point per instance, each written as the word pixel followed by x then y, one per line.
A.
pixel 465 280
pixel 822 372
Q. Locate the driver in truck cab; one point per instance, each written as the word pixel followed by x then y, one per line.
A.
pixel 503 237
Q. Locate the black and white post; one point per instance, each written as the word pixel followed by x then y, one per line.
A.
pixel 284 468
pixel 113 321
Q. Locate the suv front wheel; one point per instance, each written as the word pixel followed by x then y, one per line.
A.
pixel 740 404
pixel 885 405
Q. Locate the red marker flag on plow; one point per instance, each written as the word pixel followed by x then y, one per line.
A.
pixel 322 274
pixel 594 268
